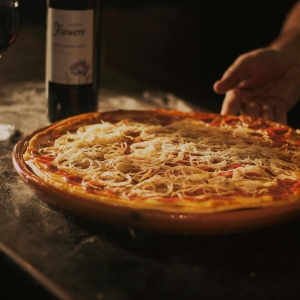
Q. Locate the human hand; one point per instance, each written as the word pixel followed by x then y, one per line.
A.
pixel 261 83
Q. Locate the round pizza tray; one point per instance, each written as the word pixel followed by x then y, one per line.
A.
pixel 152 219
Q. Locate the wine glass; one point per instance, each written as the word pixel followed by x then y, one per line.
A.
pixel 9 28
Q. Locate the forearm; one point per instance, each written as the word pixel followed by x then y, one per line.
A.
pixel 288 40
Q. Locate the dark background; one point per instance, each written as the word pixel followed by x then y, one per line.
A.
pixel 180 46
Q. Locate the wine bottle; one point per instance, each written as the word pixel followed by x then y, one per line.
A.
pixel 72 57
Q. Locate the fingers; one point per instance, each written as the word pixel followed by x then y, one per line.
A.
pixel 235 76
pixel 229 80
pixel 232 103
pixel 267 112
pixel 257 110
pixel 251 109
pixel 236 102
pixel 261 83
pixel 226 83
pixel 280 116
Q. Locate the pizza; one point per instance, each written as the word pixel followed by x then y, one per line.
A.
pixel 169 160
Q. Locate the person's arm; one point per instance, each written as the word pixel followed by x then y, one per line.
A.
pixel 288 40
pixel 266 82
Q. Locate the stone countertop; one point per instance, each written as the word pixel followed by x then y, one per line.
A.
pixel 49 254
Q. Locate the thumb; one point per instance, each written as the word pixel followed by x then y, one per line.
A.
pixel 226 83
pixel 232 102
pixel 234 76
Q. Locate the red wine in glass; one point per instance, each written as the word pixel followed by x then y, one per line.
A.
pixel 9 27
pixel 9 23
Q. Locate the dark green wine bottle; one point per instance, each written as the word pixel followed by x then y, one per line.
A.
pixel 72 57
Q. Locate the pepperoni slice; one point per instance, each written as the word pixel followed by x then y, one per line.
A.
pixel 228 174
pixel 94 188
pixel 74 179
pixel 286 183
pixel 45 159
pixel 233 121
pixel 279 133
pixel 234 166
pixel 252 175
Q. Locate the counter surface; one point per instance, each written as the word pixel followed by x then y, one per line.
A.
pixel 49 254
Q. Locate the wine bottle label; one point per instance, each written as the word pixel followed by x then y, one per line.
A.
pixel 69 46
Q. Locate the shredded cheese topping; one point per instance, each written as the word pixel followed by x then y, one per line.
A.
pixel 185 160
